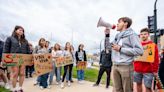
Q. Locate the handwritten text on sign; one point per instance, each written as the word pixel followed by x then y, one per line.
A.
pixel 148 55
pixel 62 61
pixel 42 63
pixel 81 65
pixel 17 59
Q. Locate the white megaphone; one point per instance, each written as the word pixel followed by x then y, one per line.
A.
pixel 102 23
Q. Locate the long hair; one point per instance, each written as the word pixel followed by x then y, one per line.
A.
pixel 55 49
pixel 66 46
pixel 79 47
pixel 39 43
pixel 22 39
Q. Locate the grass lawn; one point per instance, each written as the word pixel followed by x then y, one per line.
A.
pixel 91 75
pixel 2 89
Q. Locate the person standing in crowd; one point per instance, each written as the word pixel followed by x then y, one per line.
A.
pixel 2 68
pixel 29 68
pixel 69 67
pixel 145 70
pixel 80 57
pixel 56 52
pixel 161 67
pixel 125 47
pixel 74 61
pixel 42 79
pixel 47 46
pixel 17 43
pixel 105 62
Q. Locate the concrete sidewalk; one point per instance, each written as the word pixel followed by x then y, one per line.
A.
pixel 75 87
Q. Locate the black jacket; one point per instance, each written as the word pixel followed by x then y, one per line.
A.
pixel 1 49
pixel 105 59
pixel 12 46
pixel 77 58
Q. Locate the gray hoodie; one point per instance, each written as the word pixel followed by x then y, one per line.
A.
pixel 130 47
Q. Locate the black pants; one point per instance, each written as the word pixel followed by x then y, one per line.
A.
pixel 29 70
pixel 65 71
pixel 161 72
pixel 101 71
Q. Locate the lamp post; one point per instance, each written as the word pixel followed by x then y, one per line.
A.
pixel 155 22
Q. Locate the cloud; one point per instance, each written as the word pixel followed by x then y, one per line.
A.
pixel 74 20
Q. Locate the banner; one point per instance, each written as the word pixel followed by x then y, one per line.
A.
pixel 63 60
pixel 17 59
pixel 42 63
pixel 81 65
pixel 148 55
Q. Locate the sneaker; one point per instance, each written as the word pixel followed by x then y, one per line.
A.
pixel 72 81
pixel 21 90
pixel 41 87
pixel 36 83
pixel 57 83
pixel 62 85
pixel 95 85
pixel 7 86
pixel 107 87
pixel 69 83
pixel 48 86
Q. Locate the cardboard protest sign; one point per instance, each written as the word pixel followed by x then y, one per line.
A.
pixel 162 41
pixel 148 55
pixel 42 63
pixel 159 84
pixel 13 59
pixel 81 65
pixel 63 60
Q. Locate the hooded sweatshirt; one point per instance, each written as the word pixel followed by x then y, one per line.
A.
pixel 130 47
pixel 147 67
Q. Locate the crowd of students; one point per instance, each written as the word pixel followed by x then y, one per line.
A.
pixel 118 59
pixel 17 43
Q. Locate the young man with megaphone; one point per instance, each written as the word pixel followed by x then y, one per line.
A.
pixel 125 47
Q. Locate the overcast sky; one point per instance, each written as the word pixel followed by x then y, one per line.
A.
pixel 73 20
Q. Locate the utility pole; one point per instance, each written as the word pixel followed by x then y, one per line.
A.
pixel 155 22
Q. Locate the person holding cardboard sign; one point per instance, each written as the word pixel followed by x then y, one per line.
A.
pixel 80 58
pixel 17 43
pixel 146 66
pixel 68 54
pixel 42 80
pixel 56 53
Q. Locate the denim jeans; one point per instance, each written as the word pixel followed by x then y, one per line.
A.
pixel 52 73
pixel 56 71
pixel 43 80
pixel 80 75
pixel 38 79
